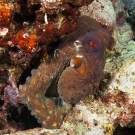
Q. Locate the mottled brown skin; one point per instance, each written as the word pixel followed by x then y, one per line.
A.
pixel 74 86
pixel 71 85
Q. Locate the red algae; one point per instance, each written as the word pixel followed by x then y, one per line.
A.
pixel 5 13
pixel 120 97
pixel 26 41
pixel 106 97
pixel 21 17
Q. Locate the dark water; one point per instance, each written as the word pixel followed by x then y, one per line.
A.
pixel 124 131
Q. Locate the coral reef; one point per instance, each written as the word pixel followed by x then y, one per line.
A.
pixel 50 6
pixel 11 110
pixel 129 4
pixel 115 106
pixel 5 127
pixel 120 12
pixel 46 34
pixel 26 26
pixel 12 91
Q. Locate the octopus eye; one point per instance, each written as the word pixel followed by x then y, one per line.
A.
pixel 92 43
pixel 78 65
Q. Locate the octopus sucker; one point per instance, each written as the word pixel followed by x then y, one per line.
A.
pixel 72 74
pixel 33 71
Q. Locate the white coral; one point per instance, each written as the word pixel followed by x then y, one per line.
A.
pixel 125 79
pixel 102 11
pixel 3 31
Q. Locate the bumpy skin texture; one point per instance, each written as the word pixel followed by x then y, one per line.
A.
pixel 72 83
pixel 74 86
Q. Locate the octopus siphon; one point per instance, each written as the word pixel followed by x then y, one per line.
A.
pixel 73 72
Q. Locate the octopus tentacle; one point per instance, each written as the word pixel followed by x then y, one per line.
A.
pixel 49 113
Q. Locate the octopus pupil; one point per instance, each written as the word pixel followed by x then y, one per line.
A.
pixel 92 45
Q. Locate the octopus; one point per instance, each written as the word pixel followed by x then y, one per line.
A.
pixel 73 72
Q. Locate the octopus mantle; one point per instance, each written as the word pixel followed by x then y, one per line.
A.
pixel 73 73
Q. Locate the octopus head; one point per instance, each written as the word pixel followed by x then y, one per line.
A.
pixel 83 76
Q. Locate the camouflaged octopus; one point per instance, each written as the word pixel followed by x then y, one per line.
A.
pixel 73 73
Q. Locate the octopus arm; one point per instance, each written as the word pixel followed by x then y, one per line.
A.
pixel 45 109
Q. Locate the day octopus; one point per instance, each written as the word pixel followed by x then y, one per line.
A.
pixel 73 73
